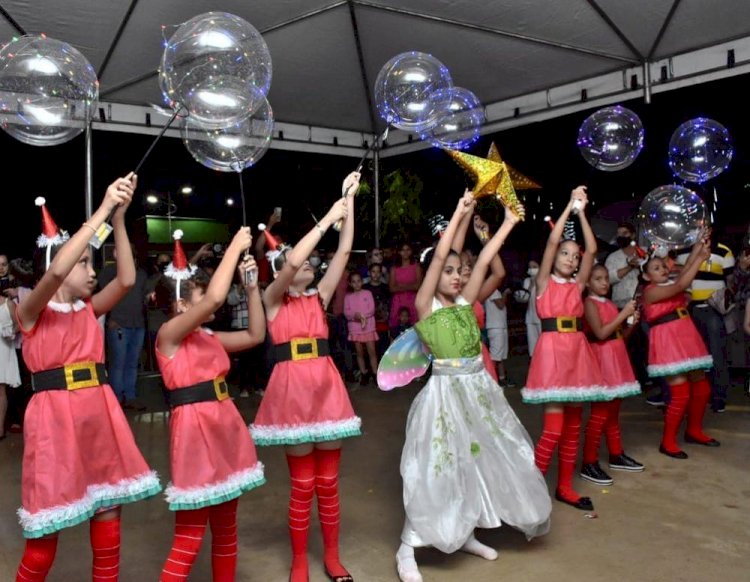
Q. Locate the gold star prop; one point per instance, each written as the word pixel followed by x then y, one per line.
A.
pixel 520 182
pixel 505 191
pixel 486 173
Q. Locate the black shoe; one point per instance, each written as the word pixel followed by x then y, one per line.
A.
pixel 583 503
pixel 364 378
pixel 656 400
pixel 719 407
pixel 709 443
pixel 677 455
pixel 594 473
pixel 332 578
pixel 624 463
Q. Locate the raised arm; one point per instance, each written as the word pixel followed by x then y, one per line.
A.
pixel 460 238
pixel 296 257
pixel 115 290
pixel 497 269
pixel 587 260
pixel 491 249
pixel 426 292
pixel 553 242
pixel 176 329
pixel 700 252
pixel 119 192
pixel 601 330
pixel 329 282
pixel 237 341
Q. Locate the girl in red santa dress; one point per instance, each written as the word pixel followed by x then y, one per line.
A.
pixel 212 455
pixel 608 333
pixel 306 407
pixel 676 351
pixel 80 460
pixel 564 372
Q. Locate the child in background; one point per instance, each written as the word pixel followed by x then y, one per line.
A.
pixel 404 317
pixel 359 309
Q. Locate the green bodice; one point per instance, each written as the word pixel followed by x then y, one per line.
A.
pixel 451 332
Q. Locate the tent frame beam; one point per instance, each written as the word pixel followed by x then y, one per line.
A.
pixel 498 32
pixel 663 29
pixel 12 21
pixel 616 29
pixel 144 77
pixel 116 39
pixel 362 68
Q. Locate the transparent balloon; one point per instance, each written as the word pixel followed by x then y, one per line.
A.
pixel 211 64
pixel 234 147
pixel 48 90
pixel 410 91
pixel 459 127
pixel 700 149
pixel 611 139
pixel 672 217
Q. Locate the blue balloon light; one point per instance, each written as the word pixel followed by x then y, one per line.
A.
pixel 700 149
pixel 611 139
pixel 459 127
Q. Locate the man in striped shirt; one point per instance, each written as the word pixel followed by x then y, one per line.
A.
pixel 712 276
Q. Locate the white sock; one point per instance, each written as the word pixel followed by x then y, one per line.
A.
pixel 406 564
pixel 474 546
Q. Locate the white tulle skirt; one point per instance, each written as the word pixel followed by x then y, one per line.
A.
pixel 468 461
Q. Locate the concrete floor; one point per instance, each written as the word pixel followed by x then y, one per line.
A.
pixel 677 521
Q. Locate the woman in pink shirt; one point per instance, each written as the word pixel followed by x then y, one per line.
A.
pixel 359 309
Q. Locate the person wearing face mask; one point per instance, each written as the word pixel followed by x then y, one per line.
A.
pixel 623 266
pixel 533 323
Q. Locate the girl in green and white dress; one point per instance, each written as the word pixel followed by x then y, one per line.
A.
pixel 467 461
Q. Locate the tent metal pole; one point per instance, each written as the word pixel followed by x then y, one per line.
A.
pixel 89 173
pixel 376 162
pixel 647 82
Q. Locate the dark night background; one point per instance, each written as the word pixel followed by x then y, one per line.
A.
pixel 544 151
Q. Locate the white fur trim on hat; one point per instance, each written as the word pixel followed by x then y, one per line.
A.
pixel 180 274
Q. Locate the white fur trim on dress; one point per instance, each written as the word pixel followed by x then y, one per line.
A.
pixel 288 434
pixel 702 363
pixel 578 393
pixel 77 305
pixel 52 519
pixel 215 493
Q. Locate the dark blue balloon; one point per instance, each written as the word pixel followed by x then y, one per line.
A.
pixel 700 149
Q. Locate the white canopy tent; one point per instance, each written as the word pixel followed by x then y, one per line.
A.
pixel 526 60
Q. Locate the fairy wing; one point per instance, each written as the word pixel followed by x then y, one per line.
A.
pixel 405 359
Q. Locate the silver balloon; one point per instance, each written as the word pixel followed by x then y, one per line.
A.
pixel 700 149
pixel 48 90
pixel 611 139
pixel 459 127
pixel 672 217
pixel 410 91
pixel 234 147
pixel 211 64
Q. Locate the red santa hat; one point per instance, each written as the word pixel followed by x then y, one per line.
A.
pixel 51 234
pixel 179 269
pixel 275 248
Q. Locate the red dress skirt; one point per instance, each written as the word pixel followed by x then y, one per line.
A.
pixel 563 366
pixel 211 453
pixel 305 400
pixel 612 355
pixel 675 347
pixel 79 452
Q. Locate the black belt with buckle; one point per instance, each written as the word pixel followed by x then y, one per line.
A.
pixel 70 377
pixel 304 348
pixel 617 334
pixel 208 391
pixel 679 313
pixel 562 324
